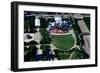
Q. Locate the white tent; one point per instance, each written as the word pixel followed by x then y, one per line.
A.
pixel 58 19
pixel 37 21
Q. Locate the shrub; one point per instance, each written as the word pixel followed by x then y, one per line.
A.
pixel 31 43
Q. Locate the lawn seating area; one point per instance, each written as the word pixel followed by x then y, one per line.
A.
pixel 63 42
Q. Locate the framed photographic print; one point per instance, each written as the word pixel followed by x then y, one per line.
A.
pixel 52 36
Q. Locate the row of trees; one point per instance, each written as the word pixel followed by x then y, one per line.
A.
pixel 46 39
pixel 43 22
pixel 76 30
pixel 43 30
pixel 29 24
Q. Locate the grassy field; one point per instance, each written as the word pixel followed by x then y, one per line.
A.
pixel 63 42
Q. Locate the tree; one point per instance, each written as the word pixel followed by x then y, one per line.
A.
pixel 29 23
pixel 43 23
pixel 45 36
pixel 32 22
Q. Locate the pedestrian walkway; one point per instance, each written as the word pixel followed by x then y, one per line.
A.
pixel 35 36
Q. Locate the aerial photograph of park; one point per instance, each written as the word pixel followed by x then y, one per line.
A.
pixel 52 36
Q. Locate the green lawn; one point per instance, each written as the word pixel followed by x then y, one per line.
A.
pixel 63 42
pixel 80 54
pixel 64 55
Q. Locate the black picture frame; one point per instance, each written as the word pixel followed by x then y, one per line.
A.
pixel 14 35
